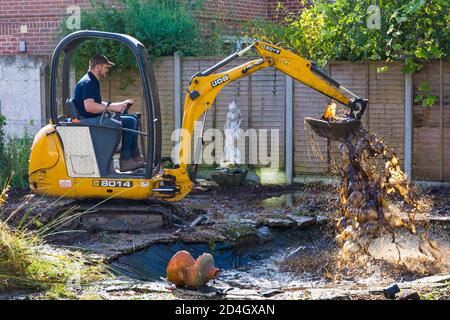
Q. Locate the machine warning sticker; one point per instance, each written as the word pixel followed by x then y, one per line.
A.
pixel 220 80
pixel 112 183
pixel 145 184
pixel 270 49
pixel 65 183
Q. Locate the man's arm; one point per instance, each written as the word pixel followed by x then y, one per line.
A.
pixel 93 107
pixel 90 91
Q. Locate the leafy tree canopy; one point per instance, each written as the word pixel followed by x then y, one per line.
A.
pixel 410 30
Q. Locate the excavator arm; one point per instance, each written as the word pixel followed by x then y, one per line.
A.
pixel 205 86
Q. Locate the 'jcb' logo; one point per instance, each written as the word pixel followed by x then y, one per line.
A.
pixel 270 49
pixel 221 80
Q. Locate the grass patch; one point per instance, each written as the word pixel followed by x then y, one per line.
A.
pixel 27 262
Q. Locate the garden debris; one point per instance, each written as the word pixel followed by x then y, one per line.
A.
pixel 390 291
pixel 408 295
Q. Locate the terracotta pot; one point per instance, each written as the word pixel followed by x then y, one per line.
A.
pixel 178 267
pixel 184 270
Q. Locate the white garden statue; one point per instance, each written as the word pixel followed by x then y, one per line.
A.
pixel 231 127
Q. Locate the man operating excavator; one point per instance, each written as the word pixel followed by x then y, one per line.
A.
pixel 88 101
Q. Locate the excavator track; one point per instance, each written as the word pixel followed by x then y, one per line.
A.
pixel 120 215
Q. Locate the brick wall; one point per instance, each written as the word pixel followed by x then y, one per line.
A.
pixel 42 18
pixel 232 12
pixel 288 6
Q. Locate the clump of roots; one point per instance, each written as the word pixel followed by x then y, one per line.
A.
pixel 378 207
pixel 371 180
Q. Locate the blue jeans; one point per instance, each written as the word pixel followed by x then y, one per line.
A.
pixel 129 139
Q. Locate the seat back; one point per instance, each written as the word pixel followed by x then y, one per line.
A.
pixel 72 109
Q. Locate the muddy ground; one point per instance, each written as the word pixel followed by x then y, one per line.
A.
pixel 275 223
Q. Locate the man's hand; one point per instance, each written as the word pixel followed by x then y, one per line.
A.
pixel 128 102
pixel 121 106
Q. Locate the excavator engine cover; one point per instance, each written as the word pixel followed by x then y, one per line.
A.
pixel 337 130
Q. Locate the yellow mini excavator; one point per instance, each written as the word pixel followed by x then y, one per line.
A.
pixel 74 160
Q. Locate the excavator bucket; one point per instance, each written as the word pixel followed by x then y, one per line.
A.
pixel 337 130
pixel 329 126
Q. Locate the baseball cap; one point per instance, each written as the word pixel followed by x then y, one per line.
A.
pixel 99 59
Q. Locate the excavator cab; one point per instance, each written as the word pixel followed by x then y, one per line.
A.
pixel 88 149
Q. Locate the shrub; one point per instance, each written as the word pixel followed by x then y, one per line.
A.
pixel 162 26
pixel 14 155
pixel 410 31
pixel 325 31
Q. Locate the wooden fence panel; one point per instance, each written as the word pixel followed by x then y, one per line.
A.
pixel 164 73
pixel 386 110
pixel 426 127
pixel 268 96
pixel 310 150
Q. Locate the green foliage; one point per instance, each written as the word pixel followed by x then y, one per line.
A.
pixel 410 30
pixel 338 31
pixel 424 96
pixel 14 155
pixel 162 26
pixel 263 30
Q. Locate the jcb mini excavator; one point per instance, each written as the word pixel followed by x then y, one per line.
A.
pixel 74 160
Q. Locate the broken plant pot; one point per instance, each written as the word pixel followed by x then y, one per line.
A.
pixel 183 270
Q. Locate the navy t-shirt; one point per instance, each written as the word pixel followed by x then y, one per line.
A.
pixel 87 87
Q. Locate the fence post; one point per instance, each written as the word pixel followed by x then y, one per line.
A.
pixel 177 97
pixel 289 123
pixel 408 123
pixel 441 116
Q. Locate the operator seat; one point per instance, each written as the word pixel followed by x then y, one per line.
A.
pixel 104 138
pixel 73 112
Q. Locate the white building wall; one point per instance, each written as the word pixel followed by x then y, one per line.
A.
pixel 21 97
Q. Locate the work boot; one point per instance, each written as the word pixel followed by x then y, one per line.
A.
pixel 139 158
pixel 130 164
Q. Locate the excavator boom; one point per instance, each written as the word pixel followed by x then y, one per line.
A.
pixel 205 86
